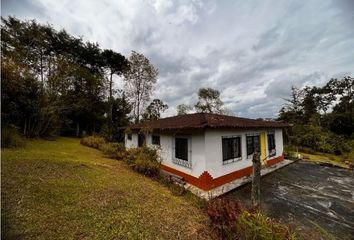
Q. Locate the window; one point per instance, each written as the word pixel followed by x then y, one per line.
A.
pixel 231 149
pixel 271 144
pixel 155 140
pixel 182 151
pixel 129 136
pixel 181 148
pixel 252 144
pixel 141 140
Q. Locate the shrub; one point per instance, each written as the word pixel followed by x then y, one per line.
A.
pixel 232 221
pixel 11 139
pixel 223 214
pixel 255 225
pixel 144 160
pixel 113 150
pixel 93 141
pixel 131 157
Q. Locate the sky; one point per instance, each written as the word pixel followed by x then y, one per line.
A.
pixel 251 51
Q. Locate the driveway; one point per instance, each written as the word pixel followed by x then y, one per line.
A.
pixel 305 191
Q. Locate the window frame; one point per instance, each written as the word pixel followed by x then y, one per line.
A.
pixel 130 136
pixel 271 133
pixel 179 161
pixel 158 143
pixel 233 158
pixel 252 135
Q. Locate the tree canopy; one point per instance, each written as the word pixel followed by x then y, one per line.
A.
pixel 140 79
pixel 54 83
pixel 323 116
pixel 154 110
pixel 209 101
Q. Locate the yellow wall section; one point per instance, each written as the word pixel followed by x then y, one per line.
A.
pixel 263 147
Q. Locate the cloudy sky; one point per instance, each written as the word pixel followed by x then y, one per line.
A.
pixel 252 51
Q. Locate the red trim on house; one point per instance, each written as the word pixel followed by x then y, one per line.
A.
pixel 206 182
pixel 275 160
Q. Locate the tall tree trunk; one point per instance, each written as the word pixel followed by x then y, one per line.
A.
pixel 256 179
pixel 42 78
pixel 77 129
pixel 25 127
pixel 137 109
pixel 110 117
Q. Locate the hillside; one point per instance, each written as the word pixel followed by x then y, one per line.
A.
pixel 61 189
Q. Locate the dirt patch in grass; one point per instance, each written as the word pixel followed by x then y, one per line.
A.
pixel 63 190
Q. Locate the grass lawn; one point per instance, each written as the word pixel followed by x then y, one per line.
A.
pixel 327 158
pixel 63 190
pixel 336 160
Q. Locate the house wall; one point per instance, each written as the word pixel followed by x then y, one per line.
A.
pixel 208 170
pixel 213 150
pixel 166 150
pixel 131 143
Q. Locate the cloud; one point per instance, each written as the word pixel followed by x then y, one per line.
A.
pixel 253 52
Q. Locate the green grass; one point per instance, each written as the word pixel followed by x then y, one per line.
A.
pixel 63 190
pixel 326 158
pixel 337 160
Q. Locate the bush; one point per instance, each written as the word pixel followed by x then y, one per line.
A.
pixel 114 150
pixel 232 221
pixel 93 141
pixel 11 139
pixel 131 157
pixel 144 160
pixel 255 225
pixel 223 214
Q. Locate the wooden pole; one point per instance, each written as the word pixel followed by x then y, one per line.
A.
pixel 256 179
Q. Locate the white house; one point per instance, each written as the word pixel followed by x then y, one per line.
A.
pixel 210 152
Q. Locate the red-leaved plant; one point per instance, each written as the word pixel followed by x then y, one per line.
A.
pixel 223 213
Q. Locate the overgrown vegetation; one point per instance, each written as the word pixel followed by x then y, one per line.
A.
pixel 232 221
pixel 93 141
pixel 11 139
pixel 323 117
pixel 143 160
pixel 114 150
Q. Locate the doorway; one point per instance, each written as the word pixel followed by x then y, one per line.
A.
pixel 141 140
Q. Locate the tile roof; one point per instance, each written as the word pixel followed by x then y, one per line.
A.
pixel 206 120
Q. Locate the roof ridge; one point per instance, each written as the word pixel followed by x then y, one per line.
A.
pixel 208 120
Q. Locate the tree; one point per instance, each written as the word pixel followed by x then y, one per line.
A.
pixel 183 109
pixel 154 110
pixel 114 63
pixel 53 82
pixel 209 101
pixel 120 117
pixel 139 82
pixel 292 111
pixel 309 103
pixel 341 120
pixel 323 117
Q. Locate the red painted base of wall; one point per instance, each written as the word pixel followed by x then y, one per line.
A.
pixel 207 182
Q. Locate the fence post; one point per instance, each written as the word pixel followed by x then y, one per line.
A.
pixel 256 179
